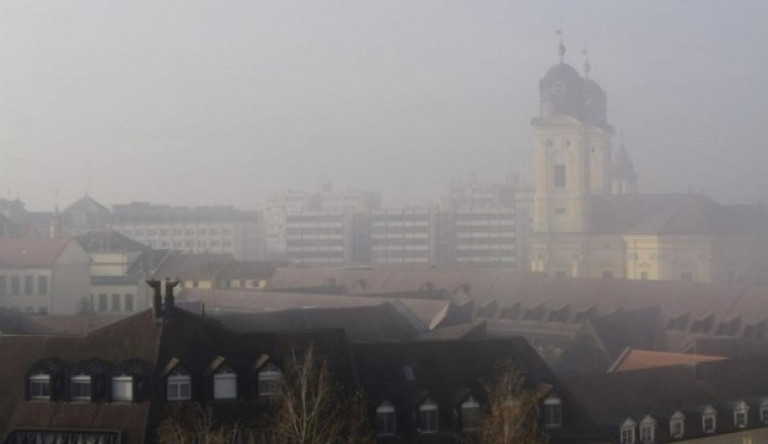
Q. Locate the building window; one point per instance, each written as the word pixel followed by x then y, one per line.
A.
pixel 560 176
pixel 42 284
pixel 677 425
pixel 179 386
pixel 115 302
pixel 225 384
pixel 128 302
pixel 122 388
pixel 708 422
pixel 40 387
pixel 29 284
pixel 428 420
pixel 15 284
pixel 740 415
pixel 647 430
pixel 764 412
pixel 644 275
pixel 385 419
pixel 80 388
pixel 628 432
pixel 269 380
pixel 470 410
pixel 553 412
pixel 102 302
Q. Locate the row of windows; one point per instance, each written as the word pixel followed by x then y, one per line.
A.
pixel 114 302
pixel 428 420
pixel 178 385
pixel 647 429
pixel 28 287
pixel 187 244
pixel 178 232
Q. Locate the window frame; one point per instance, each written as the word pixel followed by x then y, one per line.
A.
pixel 677 420
pixel 269 376
pixel 627 432
pixel 647 430
pixel 178 380
pixel 741 415
pixel 38 379
pixel 709 414
pixel 221 380
pixel 469 421
pixel 387 411
pixel 123 379
pixel 553 404
pixel 81 380
pixel 428 410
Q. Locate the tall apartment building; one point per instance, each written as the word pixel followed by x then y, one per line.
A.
pixel 209 229
pixel 295 203
pixel 404 235
pixel 325 237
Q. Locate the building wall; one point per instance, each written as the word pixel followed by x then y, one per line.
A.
pixel 407 235
pixel 70 280
pixel 25 300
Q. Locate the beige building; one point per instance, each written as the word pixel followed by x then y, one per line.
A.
pixel 589 220
pixel 43 275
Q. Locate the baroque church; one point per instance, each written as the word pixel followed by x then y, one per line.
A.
pixel 590 221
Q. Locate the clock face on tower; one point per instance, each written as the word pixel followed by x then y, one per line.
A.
pixel 558 88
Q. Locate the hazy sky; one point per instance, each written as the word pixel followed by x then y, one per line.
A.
pixel 202 102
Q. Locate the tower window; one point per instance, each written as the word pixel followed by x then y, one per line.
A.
pixel 560 176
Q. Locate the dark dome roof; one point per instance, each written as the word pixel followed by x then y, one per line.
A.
pixel 562 72
pixel 561 92
pixel 594 103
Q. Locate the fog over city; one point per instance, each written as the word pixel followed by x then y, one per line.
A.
pixel 197 102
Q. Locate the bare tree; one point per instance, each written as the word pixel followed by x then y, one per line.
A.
pixel 511 413
pixel 194 424
pixel 314 409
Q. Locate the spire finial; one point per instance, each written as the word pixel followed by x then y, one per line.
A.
pixel 561 48
pixel 587 66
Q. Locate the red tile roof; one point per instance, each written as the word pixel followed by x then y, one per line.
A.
pixel 37 252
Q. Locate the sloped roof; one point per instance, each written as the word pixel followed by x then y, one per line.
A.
pixel 107 241
pixel 86 204
pixel 33 252
pixel 633 359
pixel 193 266
pixel 429 313
pixel 14 323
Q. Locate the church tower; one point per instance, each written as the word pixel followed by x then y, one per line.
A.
pixel 572 161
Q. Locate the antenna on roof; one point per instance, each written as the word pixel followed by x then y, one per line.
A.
pixel 561 47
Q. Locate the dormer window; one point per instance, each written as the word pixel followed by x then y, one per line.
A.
pixel 647 430
pixel 224 384
pixel 740 414
pixel 470 410
pixel 428 418
pixel 122 388
pixel 385 419
pixel 40 387
pixel 677 425
pixel 627 435
pixel 553 411
pixel 80 388
pixel 708 420
pixel 764 411
pixel 179 386
pixel 269 380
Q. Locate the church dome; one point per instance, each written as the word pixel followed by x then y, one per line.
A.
pixel 594 103
pixel 561 92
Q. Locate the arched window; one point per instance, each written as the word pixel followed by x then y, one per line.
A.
pixel 553 411
pixel 628 432
pixel 80 387
pixel 122 388
pixel 40 387
pixel 385 419
pixel 470 409
pixel 179 385
pixel 709 420
pixel 677 425
pixel 428 417
pixel 224 383
pixel 269 380
pixel 647 430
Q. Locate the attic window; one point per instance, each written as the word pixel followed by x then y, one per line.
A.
pixel 470 409
pixel 627 435
pixel 224 384
pixel 122 388
pixel 428 419
pixel 553 411
pixel 647 430
pixel 40 387
pixel 80 388
pixel 677 425
pixel 179 386
pixel 740 415
pixel 708 420
pixel 764 411
pixel 385 419
pixel 269 380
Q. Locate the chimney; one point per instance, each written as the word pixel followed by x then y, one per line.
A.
pixel 156 297
pixel 169 303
